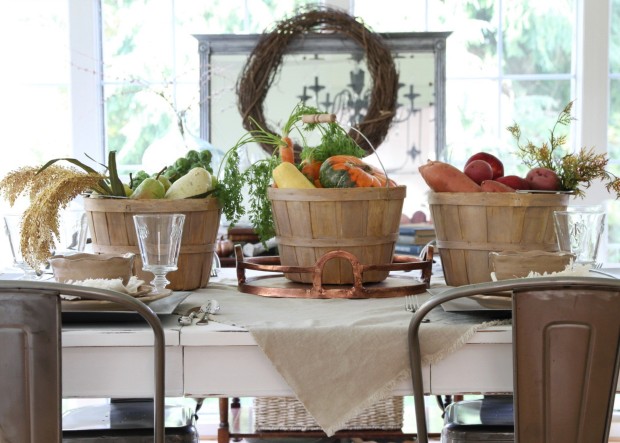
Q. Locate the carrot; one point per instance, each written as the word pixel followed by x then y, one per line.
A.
pixel 311 169
pixel 443 177
pixel 287 153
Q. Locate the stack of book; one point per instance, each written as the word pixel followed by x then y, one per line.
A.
pixel 413 237
pixel 242 235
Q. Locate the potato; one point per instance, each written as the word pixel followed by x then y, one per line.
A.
pixel 496 164
pixel 443 177
pixel 495 186
pixel 514 181
pixel 543 179
pixel 478 171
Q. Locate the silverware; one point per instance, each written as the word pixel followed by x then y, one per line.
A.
pixel 412 304
pixel 186 320
pixel 204 318
pixel 211 307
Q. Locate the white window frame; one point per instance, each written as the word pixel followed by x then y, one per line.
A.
pixel 87 112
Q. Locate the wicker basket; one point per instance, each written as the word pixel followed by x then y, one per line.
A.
pixel 112 230
pixel 312 222
pixel 288 414
pixel 469 225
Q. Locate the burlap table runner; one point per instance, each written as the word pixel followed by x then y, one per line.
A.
pixel 338 356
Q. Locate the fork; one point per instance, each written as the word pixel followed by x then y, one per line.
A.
pixel 412 304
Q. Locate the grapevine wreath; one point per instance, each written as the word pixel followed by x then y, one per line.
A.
pixel 265 59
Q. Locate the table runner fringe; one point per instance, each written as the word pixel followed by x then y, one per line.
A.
pixel 443 353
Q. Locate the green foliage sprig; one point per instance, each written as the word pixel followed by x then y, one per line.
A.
pixel 258 177
pixel 334 141
pixel 577 170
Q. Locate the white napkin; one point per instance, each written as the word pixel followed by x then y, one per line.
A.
pixel 571 270
pixel 132 287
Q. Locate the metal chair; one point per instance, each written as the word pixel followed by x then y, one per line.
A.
pixel 566 357
pixel 30 363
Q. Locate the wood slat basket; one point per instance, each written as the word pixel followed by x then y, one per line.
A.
pixel 112 230
pixel 311 222
pixel 288 414
pixel 469 225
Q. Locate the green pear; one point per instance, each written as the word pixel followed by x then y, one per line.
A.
pixel 165 181
pixel 149 188
pixel 128 190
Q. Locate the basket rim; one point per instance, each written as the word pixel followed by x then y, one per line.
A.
pixel 337 194
pixel 497 199
pixel 151 205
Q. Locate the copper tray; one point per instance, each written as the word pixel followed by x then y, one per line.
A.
pixel 276 285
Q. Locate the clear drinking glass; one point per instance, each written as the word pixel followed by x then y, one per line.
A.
pixel 12 229
pixel 159 239
pixel 73 230
pixel 579 230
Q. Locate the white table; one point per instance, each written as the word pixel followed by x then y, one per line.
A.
pixel 216 360
pixel 114 360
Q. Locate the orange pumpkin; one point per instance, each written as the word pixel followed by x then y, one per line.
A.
pixel 311 170
pixel 346 171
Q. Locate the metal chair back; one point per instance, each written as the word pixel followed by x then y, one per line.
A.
pixel 566 356
pixel 30 358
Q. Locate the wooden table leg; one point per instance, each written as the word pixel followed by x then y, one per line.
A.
pixel 223 432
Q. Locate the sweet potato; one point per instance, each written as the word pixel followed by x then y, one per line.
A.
pixel 443 177
pixel 495 186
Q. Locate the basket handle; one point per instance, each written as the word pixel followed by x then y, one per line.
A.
pixel 320 263
pixel 331 118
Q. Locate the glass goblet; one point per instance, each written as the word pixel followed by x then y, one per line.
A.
pixel 159 240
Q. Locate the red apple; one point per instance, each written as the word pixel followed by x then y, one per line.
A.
pixel 543 179
pixel 478 171
pixel 514 181
pixel 496 163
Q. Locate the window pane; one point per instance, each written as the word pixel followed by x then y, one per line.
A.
pixel 472 119
pixel 393 15
pixel 472 47
pixel 538 36
pixel 34 91
pixel 614 40
pixel 613 147
pixel 151 71
pixel 534 106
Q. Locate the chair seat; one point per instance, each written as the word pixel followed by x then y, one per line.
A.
pixel 127 422
pixel 489 420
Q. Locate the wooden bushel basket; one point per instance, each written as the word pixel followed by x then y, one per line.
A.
pixel 311 222
pixel 469 225
pixel 112 231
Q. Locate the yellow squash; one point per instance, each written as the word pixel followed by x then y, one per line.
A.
pixel 286 175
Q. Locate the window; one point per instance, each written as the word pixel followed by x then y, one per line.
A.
pixel 506 61
pixel 613 221
pixel 35 110
pixel 85 76
pixel 150 74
